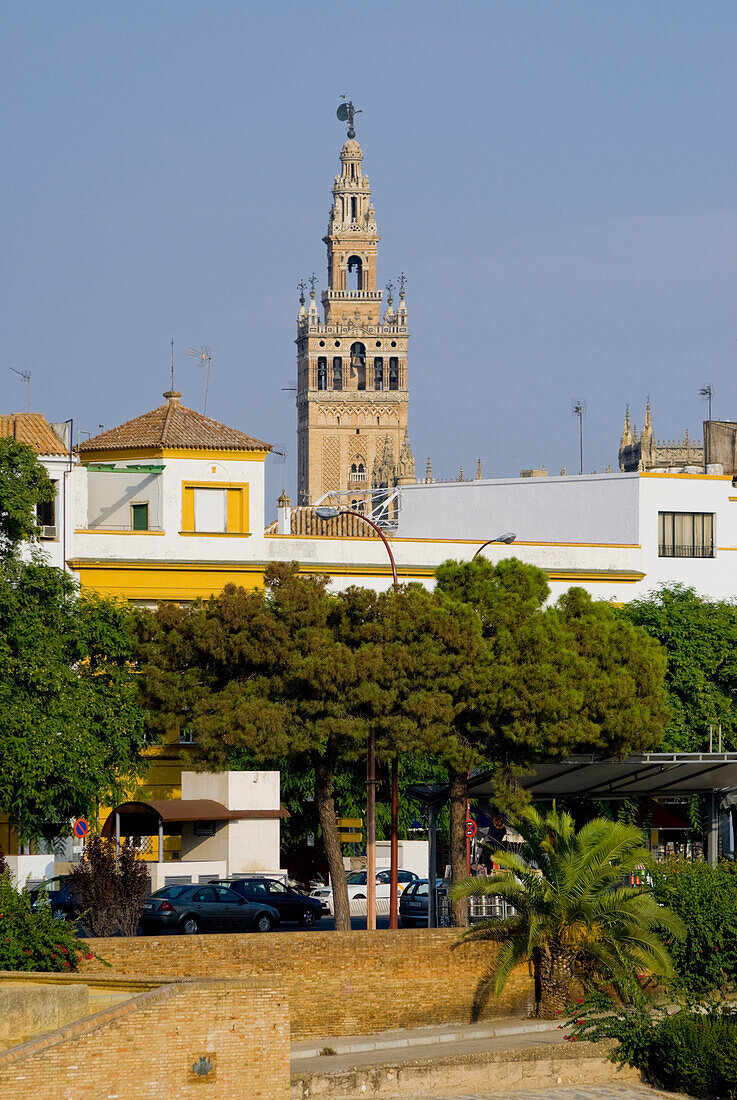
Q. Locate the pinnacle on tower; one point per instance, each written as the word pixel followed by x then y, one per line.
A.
pixel 479 475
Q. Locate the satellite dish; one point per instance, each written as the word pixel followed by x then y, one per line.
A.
pixel 342 112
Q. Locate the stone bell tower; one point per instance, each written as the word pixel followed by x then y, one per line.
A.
pixel 352 363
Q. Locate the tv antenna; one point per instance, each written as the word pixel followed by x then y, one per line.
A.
pixel 205 357
pixel 579 410
pixel 707 392
pixel 26 376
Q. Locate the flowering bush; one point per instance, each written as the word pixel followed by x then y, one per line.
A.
pixel 32 939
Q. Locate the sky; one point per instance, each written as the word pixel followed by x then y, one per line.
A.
pixel 557 180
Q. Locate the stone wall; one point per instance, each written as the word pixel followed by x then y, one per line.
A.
pixel 164 1043
pixel 337 983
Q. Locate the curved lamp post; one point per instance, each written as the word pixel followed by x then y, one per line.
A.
pixel 333 513
pixel 508 537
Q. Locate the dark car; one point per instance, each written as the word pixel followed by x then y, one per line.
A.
pixel 290 904
pixel 210 908
pixel 413 904
pixel 57 893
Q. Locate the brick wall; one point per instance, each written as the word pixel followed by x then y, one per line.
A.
pixel 337 983
pixel 148 1048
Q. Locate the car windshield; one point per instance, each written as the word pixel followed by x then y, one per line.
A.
pixel 356 878
pixel 51 884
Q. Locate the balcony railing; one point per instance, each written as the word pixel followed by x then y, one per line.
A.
pixel 684 550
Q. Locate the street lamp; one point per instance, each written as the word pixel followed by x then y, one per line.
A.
pixel 333 513
pixel 508 537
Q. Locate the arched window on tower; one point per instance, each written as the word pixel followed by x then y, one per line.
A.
pixel 337 373
pixel 353 209
pixel 393 373
pixel 379 373
pixel 358 364
pixel 322 373
pixel 355 264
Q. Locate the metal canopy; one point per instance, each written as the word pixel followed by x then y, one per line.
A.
pixel 648 774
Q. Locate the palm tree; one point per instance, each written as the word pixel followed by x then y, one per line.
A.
pixel 574 916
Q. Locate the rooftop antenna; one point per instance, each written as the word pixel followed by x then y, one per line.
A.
pixel 346 113
pixel 172 364
pixel 26 376
pixel 205 357
pixel 706 391
pixel 579 410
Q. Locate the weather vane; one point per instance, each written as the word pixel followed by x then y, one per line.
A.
pixel 402 281
pixel 302 287
pixel 312 280
pixel 346 113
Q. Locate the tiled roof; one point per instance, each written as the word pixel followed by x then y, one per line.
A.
pixel 173 425
pixel 305 521
pixel 33 429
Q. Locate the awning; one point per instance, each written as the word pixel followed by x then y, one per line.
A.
pixel 137 817
pixel 646 774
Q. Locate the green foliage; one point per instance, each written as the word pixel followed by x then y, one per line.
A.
pixel 693 1050
pixel 24 483
pixel 705 898
pixel 71 727
pixel 34 940
pixel 573 917
pixel 565 679
pixel 700 638
pixel 110 890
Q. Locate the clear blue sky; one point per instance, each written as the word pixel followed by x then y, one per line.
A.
pixel 557 181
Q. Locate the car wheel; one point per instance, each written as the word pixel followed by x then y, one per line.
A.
pixel 308 918
pixel 189 926
pixel 264 923
pixel 59 913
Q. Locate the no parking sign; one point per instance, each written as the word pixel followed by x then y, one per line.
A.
pixel 81 828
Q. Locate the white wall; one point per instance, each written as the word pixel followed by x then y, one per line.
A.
pixel 111 494
pixel 590 508
pixel 251 845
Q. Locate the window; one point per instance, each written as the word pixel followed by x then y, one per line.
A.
pixel 46 511
pixel 393 373
pixel 215 508
pixel 224 893
pixel 140 517
pixel 186 737
pixel 378 373
pixel 337 373
pixel 322 373
pixel 685 534
pixel 209 510
pixel 208 895
pixel 355 264
pixel 277 888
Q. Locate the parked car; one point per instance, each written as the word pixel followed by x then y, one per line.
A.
pixel 357 884
pixel 414 903
pixel 57 892
pixel 289 903
pixel 209 908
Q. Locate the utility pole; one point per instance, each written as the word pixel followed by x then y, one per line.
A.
pixel 706 391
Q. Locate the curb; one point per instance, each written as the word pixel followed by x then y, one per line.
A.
pixel 419 1038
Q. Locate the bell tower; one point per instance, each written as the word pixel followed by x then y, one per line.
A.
pixel 352 391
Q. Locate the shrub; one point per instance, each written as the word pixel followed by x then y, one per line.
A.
pixel 693 1050
pixel 110 891
pixel 705 898
pixel 32 939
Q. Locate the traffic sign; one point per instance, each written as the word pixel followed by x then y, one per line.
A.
pixel 471 827
pixel 81 828
pixel 350 836
pixel 350 822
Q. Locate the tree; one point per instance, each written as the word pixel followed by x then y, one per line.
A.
pixel 24 483
pixel 71 728
pixel 110 888
pixel 560 680
pixel 700 639
pixel 573 915
pixel 295 676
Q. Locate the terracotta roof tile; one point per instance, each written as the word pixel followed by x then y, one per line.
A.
pixel 173 425
pixel 33 429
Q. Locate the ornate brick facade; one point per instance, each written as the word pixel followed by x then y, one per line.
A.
pixel 352 391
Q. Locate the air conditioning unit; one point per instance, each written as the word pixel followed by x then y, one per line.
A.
pixel 48 532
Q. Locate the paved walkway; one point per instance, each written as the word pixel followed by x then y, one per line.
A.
pixel 595 1092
